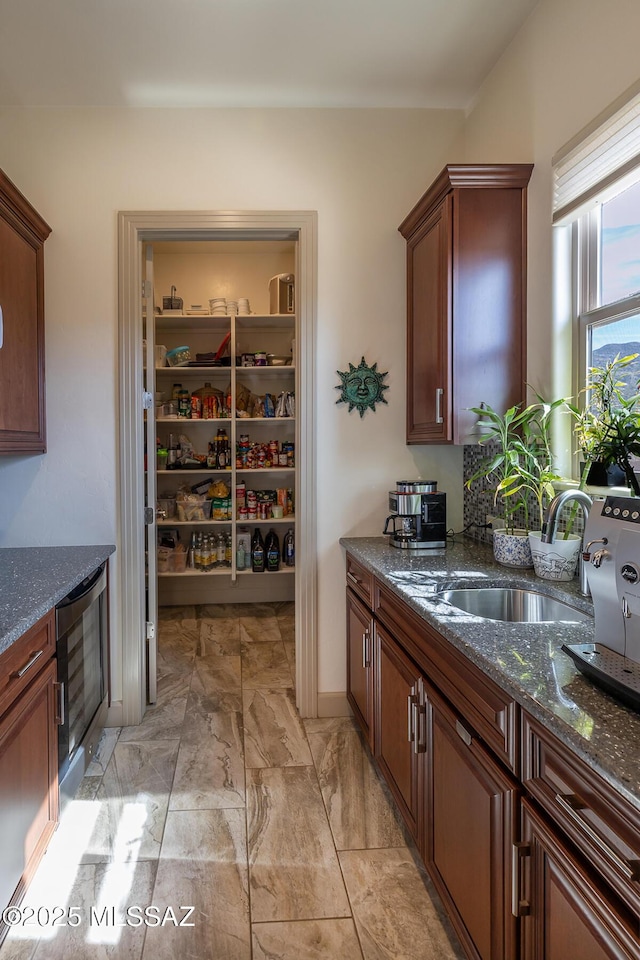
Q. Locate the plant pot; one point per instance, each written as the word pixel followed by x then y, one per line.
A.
pixel 602 476
pixel 512 549
pixel 557 560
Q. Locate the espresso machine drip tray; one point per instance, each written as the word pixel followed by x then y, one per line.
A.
pixel 615 673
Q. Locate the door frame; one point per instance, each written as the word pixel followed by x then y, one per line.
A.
pixel 134 229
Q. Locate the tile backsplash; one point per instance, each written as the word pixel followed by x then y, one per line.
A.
pixel 478 499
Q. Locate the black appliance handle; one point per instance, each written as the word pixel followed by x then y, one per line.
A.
pixel 80 599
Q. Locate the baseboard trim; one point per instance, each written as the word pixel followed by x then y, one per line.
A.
pixel 115 714
pixel 333 705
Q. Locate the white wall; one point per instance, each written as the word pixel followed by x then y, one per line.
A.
pixel 568 62
pixel 361 170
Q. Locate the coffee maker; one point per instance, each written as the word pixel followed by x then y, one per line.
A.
pixel 419 518
pixel 612 556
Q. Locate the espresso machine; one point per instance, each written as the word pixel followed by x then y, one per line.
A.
pixel 612 559
pixel 419 518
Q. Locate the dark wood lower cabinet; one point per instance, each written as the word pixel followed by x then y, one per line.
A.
pixel 479 783
pixel 399 733
pixel 568 912
pixel 360 664
pixel 28 783
pixel 472 806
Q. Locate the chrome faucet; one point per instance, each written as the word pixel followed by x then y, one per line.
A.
pixel 551 519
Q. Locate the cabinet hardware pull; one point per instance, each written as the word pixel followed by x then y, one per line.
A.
pixel 419 742
pixel 464 735
pixel 571 805
pixel 59 718
pixel 353 579
pixel 439 394
pixel 366 659
pixel 411 699
pixel 519 850
pixel 1 329
pixel 21 672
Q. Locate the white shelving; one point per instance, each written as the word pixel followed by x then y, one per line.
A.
pixel 271 333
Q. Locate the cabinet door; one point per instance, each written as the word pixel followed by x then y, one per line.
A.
pixel 28 781
pixel 569 914
pixel 399 717
pixel 360 664
pixel 470 826
pixel 22 405
pixel 428 328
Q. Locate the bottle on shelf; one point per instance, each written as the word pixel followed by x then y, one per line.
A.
pixel 289 549
pixel 240 557
pixel 198 552
pixel 184 404
pixel 272 552
pixel 191 555
pixel 228 550
pixel 221 550
pixel 175 393
pixel 257 552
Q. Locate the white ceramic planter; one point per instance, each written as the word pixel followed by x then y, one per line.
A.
pixel 512 549
pixel 557 560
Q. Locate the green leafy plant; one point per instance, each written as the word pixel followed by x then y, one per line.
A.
pixel 523 465
pixel 607 426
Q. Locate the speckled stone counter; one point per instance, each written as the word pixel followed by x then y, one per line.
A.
pixel 35 579
pixel 523 659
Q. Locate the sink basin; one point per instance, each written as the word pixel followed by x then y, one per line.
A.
pixel 512 604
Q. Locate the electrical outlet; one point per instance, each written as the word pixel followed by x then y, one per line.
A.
pixel 490 519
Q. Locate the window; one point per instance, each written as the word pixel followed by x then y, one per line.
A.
pixel 597 199
pixel 606 255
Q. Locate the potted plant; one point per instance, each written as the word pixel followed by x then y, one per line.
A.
pixel 522 471
pixel 607 427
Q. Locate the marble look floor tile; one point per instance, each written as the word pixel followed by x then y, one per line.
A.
pixel 100 894
pixel 102 755
pixel 293 867
pixel 203 864
pixel 274 735
pixel 88 788
pixel 210 768
pixel 259 630
pixel 216 676
pixel 394 914
pixel 177 642
pixel 285 608
pixel 306 940
pixel 132 802
pixel 287 631
pixel 360 811
pixel 219 637
pixel 265 665
pixel 163 719
pixel 290 653
pixel 215 611
pixel 177 612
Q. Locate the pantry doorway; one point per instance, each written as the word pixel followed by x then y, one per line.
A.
pixel 137 234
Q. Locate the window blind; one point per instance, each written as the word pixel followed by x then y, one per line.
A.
pixel 600 155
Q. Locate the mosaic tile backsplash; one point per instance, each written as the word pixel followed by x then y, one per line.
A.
pixel 478 499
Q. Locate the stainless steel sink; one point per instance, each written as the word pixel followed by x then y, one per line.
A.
pixel 512 604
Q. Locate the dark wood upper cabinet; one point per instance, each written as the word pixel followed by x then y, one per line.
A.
pixel 466 299
pixel 22 396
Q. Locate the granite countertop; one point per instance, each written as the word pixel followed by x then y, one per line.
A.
pixel 35 579
pixel 524 659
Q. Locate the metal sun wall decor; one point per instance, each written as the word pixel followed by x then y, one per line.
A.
pixel 361 387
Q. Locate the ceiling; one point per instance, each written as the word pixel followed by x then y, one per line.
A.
pixel 251 53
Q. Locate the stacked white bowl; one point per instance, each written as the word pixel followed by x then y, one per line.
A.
pixel 232 308
pixel 243 307
pixel 218 306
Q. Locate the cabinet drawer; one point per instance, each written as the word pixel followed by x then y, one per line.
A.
pixel 25 658
pixel 491 712
pixel 360 580
pixel 597 819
